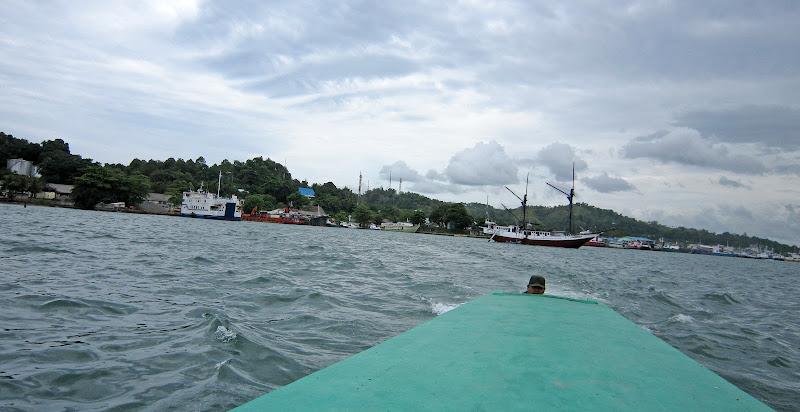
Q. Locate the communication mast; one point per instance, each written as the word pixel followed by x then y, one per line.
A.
pixel 359 187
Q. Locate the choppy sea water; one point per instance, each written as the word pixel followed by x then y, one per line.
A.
pixel 134 312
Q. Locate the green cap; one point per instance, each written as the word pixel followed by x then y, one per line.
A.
pixel 536 280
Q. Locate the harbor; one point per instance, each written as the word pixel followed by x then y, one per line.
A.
pixel 417 206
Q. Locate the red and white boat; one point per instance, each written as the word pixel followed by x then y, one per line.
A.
pixel 515 234
pixel 597 241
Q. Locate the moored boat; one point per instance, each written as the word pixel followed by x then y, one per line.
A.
pixel 514 234
pixel 202 204
pixel 527 236
pixel 597 241
pixel 399 226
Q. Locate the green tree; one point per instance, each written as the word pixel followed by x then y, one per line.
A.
pixel 378 217
pixel 17 184
pixel 13 148
pixel 106 185
pixel 362 215
pixel 457 217
pixel 340 216
pixel 438 215
pixel 258 202
pixel 417 217
pixel 57 165
pixel 391 213
pixel 299 201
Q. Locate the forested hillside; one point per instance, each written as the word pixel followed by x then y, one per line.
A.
pixel 265 184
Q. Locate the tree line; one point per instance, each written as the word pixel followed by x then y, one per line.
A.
pixel 265 184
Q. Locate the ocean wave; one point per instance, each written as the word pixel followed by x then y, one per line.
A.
pixel 664 298
pixel 224 334
pixel 681 318
pixel 779 362
pixel 39 249
pixel 723 297
pixel 202 259
pixel 87 306
pixel 438 308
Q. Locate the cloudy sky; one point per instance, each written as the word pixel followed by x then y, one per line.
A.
pixel 682 112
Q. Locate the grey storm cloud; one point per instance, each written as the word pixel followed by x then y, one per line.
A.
pixel 559 158
pixel 437 176
pixel 770 125
pixel 434 187
pixel 687 147
pixel 484 164
pixel 724 181
pixel 399 170
pixel 604 183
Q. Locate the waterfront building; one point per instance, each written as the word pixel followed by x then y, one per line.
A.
pixel 22 167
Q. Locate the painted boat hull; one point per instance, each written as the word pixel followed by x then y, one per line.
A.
pixel 572 243
pixel 211 217
pixel 515 352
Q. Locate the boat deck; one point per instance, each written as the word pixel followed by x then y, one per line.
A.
pixel 515 352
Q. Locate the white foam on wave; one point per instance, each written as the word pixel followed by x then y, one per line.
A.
pixel 438 308
pixel 681 318
pixel 224 334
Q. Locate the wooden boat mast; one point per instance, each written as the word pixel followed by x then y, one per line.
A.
pixel 569 196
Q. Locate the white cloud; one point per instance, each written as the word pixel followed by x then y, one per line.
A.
pixel 604 183
pixel 483 164
pixel 560 158
pixel 399 170
pixel 687 147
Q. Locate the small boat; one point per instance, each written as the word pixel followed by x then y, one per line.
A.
pixel 671 248
pixel 701 249
pixel 725 251
pixel 597 241
pixel 399 226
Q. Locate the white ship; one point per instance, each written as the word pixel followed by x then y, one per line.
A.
pixel 206 205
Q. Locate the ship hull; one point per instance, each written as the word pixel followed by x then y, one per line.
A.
pixel 194 215
pixel 570 243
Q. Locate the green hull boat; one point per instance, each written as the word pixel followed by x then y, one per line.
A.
pixel 507 351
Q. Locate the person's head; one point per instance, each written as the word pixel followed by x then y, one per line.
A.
pixel 536 285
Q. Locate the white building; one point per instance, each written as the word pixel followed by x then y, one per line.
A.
pixel 22 167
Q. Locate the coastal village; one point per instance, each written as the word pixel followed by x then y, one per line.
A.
pixel 201 203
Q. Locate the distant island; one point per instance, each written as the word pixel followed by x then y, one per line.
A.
pixel 266 184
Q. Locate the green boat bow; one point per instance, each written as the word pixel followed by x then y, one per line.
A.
pixel 508 351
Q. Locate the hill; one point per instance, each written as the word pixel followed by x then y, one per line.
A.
pixel 265 183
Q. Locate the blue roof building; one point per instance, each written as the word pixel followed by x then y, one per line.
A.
pixel 306 191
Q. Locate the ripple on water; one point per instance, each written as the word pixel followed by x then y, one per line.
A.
pixel 162 298
pixel 724 298
pixel 85 306
pixel 34 250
